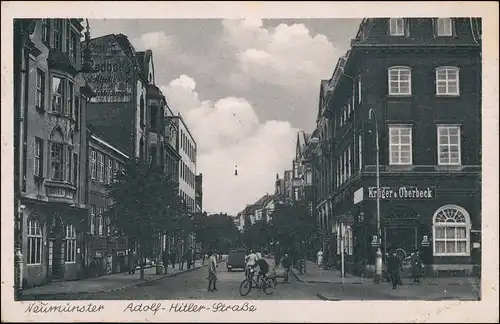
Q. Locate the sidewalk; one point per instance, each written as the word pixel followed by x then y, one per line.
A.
pixel 315 274
pixel 107 283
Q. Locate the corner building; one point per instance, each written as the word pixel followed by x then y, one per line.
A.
pixel 422 79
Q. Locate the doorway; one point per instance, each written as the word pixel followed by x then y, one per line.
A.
pixel 405 239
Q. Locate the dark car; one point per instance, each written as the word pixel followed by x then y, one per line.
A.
pixel 236 259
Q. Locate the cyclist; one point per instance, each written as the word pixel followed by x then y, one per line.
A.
pixel 250 261
pixel 263 269
pixel 259 255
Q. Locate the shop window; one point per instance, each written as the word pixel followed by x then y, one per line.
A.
pixel 70 244
pixel 451 231
pixel 34 242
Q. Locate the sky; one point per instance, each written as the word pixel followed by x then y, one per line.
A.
pixel 245 88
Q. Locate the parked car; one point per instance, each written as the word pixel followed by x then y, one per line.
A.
pixel 236 259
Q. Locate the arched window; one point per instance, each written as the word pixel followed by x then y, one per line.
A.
pixel 35 238
pixel 447 81
pixel 451 231
pixel 399 81
pixel 70 254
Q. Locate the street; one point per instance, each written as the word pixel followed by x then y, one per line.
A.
pixel 193 286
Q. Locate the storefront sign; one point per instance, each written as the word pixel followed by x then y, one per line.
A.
pixel 402 193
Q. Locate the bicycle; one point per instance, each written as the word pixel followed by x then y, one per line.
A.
pixel 266 284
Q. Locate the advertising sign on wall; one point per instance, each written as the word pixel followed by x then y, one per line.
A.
pixel 111 79
pixel 402 193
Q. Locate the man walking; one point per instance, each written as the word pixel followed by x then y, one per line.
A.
pixel 212 271
pixel 393 267
pixel 173 256
pixel 416 265
pixel 131 262
pixel 165 258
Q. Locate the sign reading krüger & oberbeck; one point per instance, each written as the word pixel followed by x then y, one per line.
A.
pixel 402 193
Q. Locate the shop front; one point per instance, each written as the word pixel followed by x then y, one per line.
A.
pixel 441 222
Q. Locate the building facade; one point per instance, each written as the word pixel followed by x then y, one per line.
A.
pixel 50 102
pixel 199 193
pixel 102 246
pixel 415 85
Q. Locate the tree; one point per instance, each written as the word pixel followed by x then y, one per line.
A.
pixel 216 231
pixel 145 204
pixel 259 234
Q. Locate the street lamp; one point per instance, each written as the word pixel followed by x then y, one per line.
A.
pixel 378 254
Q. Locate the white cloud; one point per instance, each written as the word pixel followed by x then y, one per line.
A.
pixel 230 137
pixel 287 55
pixel 157 41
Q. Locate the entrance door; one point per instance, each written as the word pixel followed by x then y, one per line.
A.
pixel 57 262
pixel 402 238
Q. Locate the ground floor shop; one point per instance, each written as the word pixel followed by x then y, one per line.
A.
pixel 440 217
pixel 104 255
pixel 52 242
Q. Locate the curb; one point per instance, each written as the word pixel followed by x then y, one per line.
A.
pixel 323 297
pixel 78 293
pixel 321 281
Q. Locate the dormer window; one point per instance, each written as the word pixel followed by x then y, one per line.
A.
pixel 444 27
pixel 397 26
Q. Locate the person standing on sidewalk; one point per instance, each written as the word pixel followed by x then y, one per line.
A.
pixel 416 265
pixel 132 264
pixel 287 263
pixel 173 256
pixel 319 255
pixel 212 271
pixel 189 257
pixel 165 258
pixel 393 267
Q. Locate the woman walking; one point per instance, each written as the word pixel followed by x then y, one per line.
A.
pixel 212 271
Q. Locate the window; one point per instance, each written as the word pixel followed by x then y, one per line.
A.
pixel 69 111
pixel 141 111
pixel 40 90
pixel 110 170
pixel 57 94
pixel 451 231
pixel 34 242
pixel 100 221
pixel 70 244
pixel 77 112
pixel 75 169
pixel 38 163
pixel 92 219
pixel 447 81
pixel 360 151
pixel 349 164
pixel 100 174
pixel 93 164
pixel 116 170
pixel 444 27
pixel 397 26
pixel 400 149
pixel 108 226
pixel 345 114
pixel 56 161
pixel 72 43
pixel 45 31
pixel 359 89
pixel 449 145
pixel 70 165
pixel 153 117
pixel 400 81
pixel 348 240
pixel 58 34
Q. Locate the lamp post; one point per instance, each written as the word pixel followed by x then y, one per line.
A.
pixel 378 254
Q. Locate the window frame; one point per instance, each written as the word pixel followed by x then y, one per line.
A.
pixel 399 144
pixel 34 239
pixel 60 95
pixel 101 166
pixel 45 31
pixel 57 32
pixel 109 168
pixel 93 211
pixel 399 70
pixel 70 99
pixel 449 145
pixel 100 221
pixel 93 164
pixel 38 151
pixel 71 244
pixel 396 32
pixel 40 89
pixel 75 168
pixel 447 81
pixel 455 225
pixel 61 162
pixel 444 20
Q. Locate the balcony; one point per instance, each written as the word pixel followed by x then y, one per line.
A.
pixel 60 192
pixel 296 182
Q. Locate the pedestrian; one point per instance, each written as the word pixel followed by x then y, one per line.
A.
pixel 212 271
pixel 189 257
pixel 165 258
pixel 287 263
pixel 173 256
pixel 203 258
pixel 131 262
pixel 319 256
pixel 416 265
pixel 393 267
